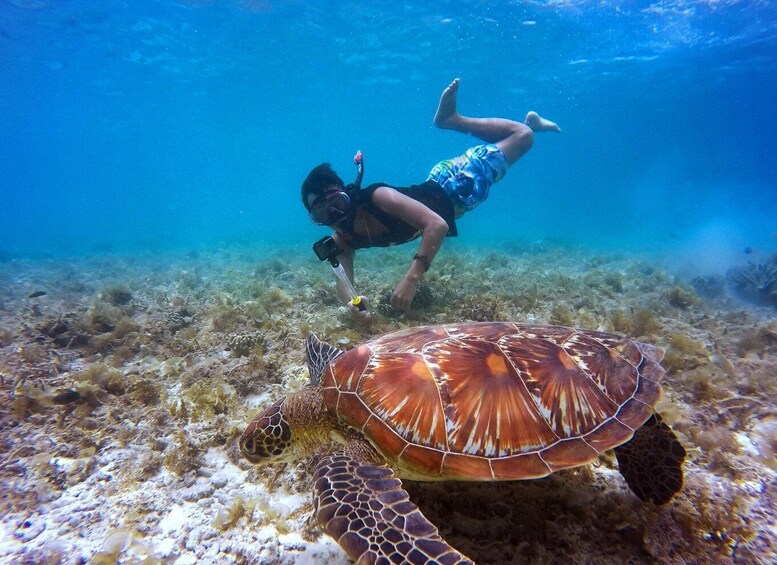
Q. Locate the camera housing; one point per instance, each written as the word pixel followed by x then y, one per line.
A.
pixel 326 249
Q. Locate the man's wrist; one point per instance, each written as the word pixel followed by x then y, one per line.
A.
pixel 423 260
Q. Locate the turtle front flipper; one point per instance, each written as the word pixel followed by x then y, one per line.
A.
pixel 365 509
pixel 651 462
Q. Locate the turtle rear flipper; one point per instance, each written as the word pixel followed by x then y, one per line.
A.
pixel 364 507
pixel 651 462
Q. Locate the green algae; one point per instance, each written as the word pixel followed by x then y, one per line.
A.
pixel 636 323
pixel 680 297
pixel 117 295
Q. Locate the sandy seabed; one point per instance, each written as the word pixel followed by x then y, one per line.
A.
pixel 127 380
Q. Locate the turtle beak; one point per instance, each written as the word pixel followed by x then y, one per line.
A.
pixel 249 448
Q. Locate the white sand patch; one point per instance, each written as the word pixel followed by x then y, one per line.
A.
pixel 173 518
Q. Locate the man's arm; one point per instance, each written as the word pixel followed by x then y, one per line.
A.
pixel 433 230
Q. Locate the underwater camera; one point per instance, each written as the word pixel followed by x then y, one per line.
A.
pixel 326 249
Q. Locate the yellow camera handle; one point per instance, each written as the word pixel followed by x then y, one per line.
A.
pixel 359 303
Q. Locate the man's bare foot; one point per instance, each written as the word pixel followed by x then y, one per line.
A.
pixel 446 113
pixel 538 123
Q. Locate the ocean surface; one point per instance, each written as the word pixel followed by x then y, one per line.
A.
pixel 157 281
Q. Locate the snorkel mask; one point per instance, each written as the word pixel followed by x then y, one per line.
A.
pixel 333 206
pixel 330 208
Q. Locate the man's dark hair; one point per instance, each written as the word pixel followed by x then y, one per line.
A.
pixel 318 181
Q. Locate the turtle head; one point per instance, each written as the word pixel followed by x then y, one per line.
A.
pixel 268 437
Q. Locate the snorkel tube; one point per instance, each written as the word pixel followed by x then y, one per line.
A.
pixel 358 160
pixel 326 248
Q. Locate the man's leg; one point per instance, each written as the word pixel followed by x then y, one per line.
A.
pixel 514 139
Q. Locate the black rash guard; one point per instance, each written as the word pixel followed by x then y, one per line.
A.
pixel 429 193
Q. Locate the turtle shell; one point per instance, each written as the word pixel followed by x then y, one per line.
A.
pixel 494 401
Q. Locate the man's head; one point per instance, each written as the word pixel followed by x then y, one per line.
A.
pixel 325 197
pixel 320 181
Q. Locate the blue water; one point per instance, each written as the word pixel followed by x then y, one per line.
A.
pixel 153 125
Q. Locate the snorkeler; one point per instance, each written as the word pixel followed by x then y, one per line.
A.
pixel 381 215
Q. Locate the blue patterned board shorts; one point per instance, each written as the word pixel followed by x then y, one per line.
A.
pixel 467 178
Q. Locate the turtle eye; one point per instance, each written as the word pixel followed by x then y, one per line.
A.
pixel 267 437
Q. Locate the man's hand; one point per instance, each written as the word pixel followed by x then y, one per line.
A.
pixel 404 293
pixel 360 315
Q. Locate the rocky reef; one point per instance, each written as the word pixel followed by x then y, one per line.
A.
pixel 125 397
pixel 755 282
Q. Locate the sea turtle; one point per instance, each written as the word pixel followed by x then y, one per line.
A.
pixel 469 402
